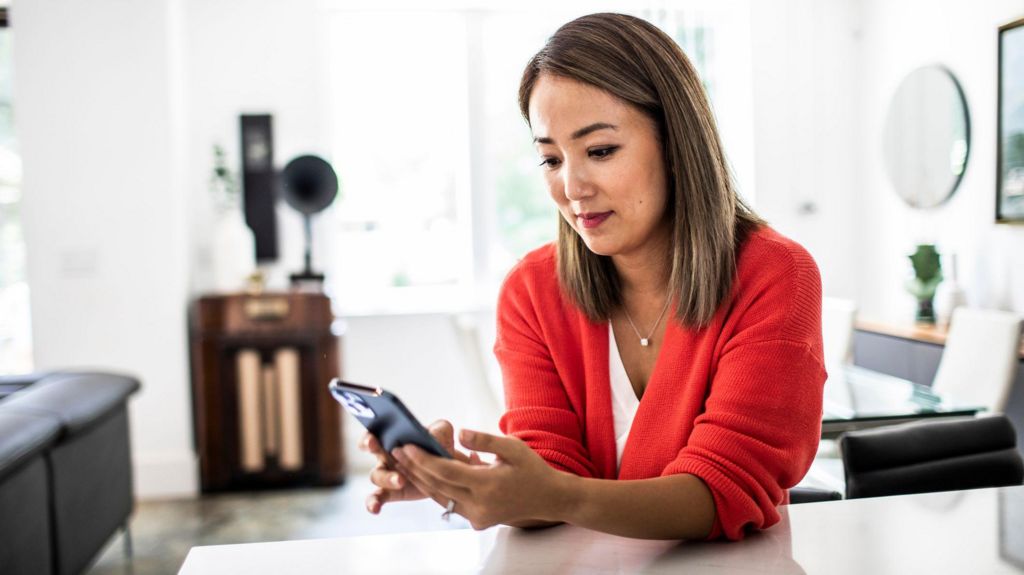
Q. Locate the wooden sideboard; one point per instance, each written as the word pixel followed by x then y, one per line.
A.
pixel 902 350
pixel 262 415
pixel 908 350
pixel 925 333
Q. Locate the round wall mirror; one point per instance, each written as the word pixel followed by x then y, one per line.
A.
pixel 927 137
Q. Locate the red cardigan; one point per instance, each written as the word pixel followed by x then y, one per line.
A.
pixel 738 404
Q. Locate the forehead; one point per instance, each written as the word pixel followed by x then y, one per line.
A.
pixel 559 106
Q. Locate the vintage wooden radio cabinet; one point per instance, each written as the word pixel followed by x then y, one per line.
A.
pixel 260 367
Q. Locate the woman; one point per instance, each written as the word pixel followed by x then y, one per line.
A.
pixel 663 362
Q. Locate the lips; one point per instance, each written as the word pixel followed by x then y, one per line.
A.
pixel 591 220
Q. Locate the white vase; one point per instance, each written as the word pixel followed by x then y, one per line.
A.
pixel 234 252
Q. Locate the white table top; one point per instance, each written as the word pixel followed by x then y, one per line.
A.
pixel 980 531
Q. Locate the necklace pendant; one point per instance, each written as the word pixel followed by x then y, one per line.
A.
pixel 644 341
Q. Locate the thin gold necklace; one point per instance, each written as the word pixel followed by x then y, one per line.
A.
pixel 646 341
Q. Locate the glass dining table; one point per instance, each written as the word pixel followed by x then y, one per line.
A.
pixel 858 398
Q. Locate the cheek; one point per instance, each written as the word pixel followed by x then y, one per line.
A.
pixel 649 198
pixel 656 200
pixel 657 203
pixel 654 206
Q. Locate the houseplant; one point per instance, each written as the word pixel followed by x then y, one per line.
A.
pixel 234 246
pixel 927 277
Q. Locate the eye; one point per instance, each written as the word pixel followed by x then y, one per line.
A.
pixel 550 162
pixel 602 153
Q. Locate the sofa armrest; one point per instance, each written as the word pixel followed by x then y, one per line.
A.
pixel 77 400
pixel 23 379
pixel 10 384
pixel 22 436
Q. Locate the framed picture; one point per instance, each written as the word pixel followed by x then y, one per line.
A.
pixel 1010 146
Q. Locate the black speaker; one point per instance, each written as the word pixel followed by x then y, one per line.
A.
pixel 258 183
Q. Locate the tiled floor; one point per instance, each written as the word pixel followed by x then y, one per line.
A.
pixel 163 532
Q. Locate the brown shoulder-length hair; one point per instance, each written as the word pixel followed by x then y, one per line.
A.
pixel 641 65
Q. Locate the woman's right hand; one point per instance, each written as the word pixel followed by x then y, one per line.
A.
pixel 391 484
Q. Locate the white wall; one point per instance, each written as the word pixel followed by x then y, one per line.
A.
pixel 899 37
pixel 256 57
pixel 98 115
pixel 824 73
pixel 806 74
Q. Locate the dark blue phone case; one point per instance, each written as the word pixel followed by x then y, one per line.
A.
pixel 385 416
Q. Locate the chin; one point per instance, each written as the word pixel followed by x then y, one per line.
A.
pixel 599 246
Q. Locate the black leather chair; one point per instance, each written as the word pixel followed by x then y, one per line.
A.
pixel 927 456
pixel 812 495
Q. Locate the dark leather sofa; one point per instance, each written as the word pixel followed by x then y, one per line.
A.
pixel 65 469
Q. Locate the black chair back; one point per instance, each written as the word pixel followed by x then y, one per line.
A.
pixel 799 495
pixel 927 456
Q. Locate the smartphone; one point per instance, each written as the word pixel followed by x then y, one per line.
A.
pixel 385 416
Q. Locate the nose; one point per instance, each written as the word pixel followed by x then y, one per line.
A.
pixel 576 183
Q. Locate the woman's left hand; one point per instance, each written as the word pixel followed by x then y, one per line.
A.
pixel 518 487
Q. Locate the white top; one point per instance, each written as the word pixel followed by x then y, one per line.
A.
pixel 624 400
pixel 976 531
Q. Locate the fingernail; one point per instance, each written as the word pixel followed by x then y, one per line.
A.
pixel 395 480
pixel 397 453
pixel 467 435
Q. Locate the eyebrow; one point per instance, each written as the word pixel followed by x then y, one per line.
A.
pixel 581 132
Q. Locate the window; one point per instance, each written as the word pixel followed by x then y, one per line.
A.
pixel 441 189
pixel 399 99
pixel 15 321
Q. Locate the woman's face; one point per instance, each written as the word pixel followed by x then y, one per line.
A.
pixel 603 165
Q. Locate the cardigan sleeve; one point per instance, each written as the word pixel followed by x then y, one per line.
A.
pixel 761 424
pixel 758 434
pixel 538 409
